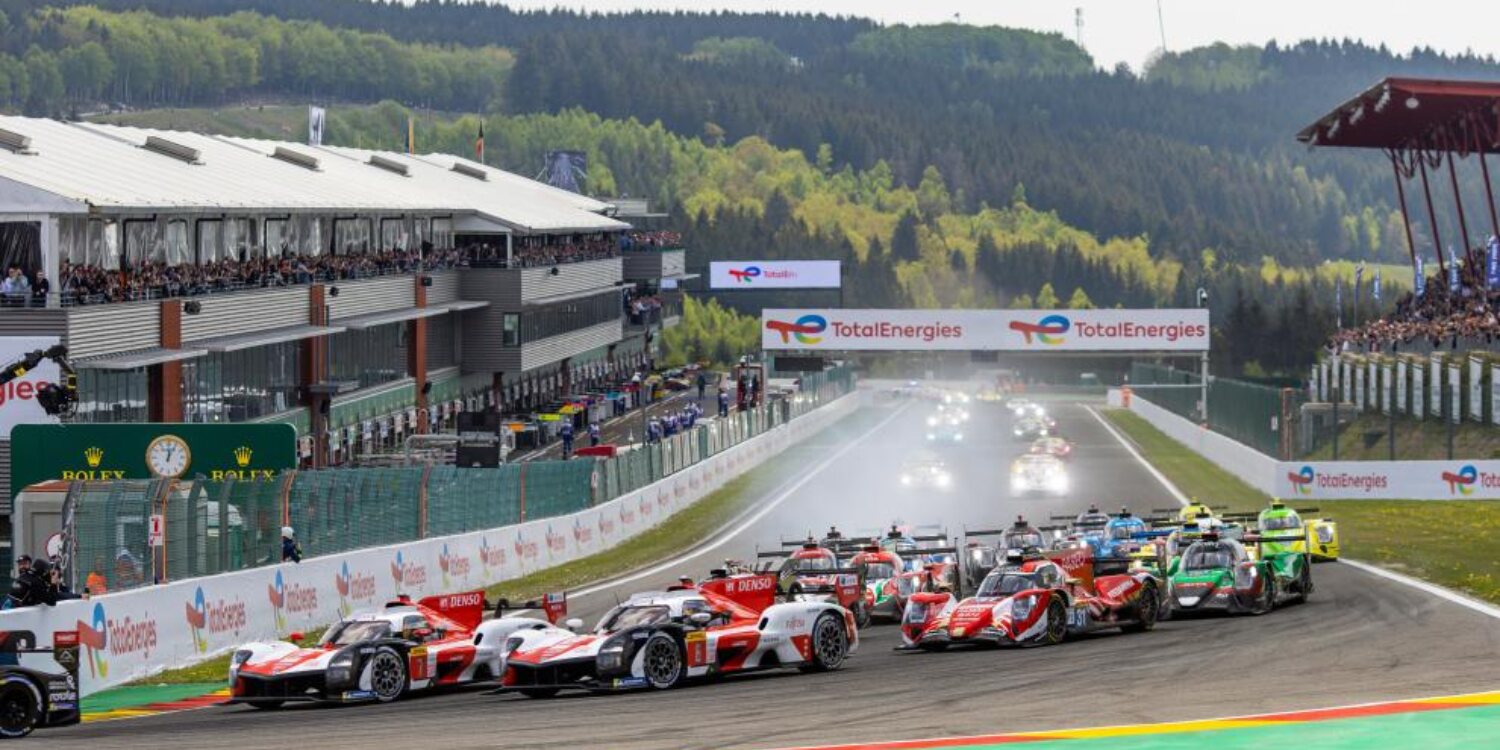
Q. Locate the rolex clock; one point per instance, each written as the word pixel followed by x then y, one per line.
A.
pixel 168 456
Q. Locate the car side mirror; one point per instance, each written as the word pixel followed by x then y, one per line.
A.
pixel 701 619
pixel 573 623
pixel 421 633
pixel 296 636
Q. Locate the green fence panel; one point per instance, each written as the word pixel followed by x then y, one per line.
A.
pixel 460 500
pixel 335 510
pixel 555 488
pixel 1247 412
pixel 110 522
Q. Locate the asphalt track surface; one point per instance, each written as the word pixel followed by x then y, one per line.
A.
pixel 1360 638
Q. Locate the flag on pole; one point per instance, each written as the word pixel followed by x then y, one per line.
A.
pixel 1338 302
pixel 1359 281
pixel 479 143
pixel 1375 289
pixel 1492 265
pixel 315 117
pixel 411 135
pixel 1452 271
pixel 1418 278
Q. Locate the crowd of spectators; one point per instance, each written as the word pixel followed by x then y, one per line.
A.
pixel 524 254
pixel 642 308
pixel 87 284
pixel 661 240
pixel 1439 317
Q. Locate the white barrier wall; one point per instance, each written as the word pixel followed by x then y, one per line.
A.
pixel 1256 469
pixel 132 634
pixel 1327 480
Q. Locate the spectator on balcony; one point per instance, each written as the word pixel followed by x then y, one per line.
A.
pixel 16 288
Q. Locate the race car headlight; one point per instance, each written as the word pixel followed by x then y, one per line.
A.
pixel 931 436
pixel 1244 577
pixel 511 644
pixel 943 480
pixel 958 436
pixel 240 657
pixel 341 668
pixel 1021 609
pixel 612 655
pixel 906 479
pixel 1325 535
pixel 932 421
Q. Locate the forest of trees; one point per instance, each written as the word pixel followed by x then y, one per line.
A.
pixel 58 61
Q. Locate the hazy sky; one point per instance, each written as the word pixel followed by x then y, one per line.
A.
pixel 1126 30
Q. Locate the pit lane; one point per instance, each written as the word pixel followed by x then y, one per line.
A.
pixel 1361 638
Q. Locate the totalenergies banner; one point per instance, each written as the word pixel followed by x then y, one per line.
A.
pixel 992 330
pixel 1389 480
pixel 774 274
pixel 132 634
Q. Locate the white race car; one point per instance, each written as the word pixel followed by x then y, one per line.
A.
pixel 1038 472
pixel 376 656
pixel 660 639
pixel 926 472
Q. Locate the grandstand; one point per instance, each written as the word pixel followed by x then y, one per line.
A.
pixel 1432 356
pixel 358 295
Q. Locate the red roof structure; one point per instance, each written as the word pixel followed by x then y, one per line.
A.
pixel 1421 124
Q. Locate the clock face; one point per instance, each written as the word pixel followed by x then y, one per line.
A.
pixel 168 456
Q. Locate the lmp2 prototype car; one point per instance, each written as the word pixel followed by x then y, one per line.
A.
pixel 376 656
pixel 926 472
pixel 33 698
pixel 661 639
pixel 1052 446
pixel 1034 598
pixel 1228 575
pixel 1038 473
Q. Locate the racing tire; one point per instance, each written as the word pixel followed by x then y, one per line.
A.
pixel 264 705
pixel 1267 601
pixel 662 661
pixel 387 674
pixel 1147 613
pixel 20 707
pixel 1057 623
pixel 1305 582
pixel 539 693
pixel 830 644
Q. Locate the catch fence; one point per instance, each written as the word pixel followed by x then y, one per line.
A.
pixel 1250 413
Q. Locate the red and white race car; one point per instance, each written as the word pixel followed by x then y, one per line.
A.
pixel 1035 598
pixel 1052 446
pixel 375 656
pixel 660 639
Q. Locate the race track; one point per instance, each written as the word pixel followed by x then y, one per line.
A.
pixel 1361 638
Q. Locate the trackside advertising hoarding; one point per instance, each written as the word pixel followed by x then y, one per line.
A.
pixel 986 330
pixel 774 274
pixel 128 635
pixel 1389 480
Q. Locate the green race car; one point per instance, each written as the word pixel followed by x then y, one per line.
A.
pixel 1228 575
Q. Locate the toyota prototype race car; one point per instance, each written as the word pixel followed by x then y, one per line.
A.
pixel 1031 428
pixel 1034 598
pixel 1227 575
pixel 812 573
pixel 661 639
pixel 1038 473
pixel 375 656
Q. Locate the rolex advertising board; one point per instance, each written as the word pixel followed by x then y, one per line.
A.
pixel 94 452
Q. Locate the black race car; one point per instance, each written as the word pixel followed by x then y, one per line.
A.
pixel 31 698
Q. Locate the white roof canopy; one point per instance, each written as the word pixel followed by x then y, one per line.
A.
pixel 86 167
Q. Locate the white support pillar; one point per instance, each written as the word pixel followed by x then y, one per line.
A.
pixel 51 262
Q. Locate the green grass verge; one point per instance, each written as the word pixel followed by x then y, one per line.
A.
pixel 1367 439
pixel 1452 543
pixel 673 535
pixel 682 530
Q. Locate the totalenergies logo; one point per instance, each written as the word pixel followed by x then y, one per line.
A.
pixel 1461 483
pixel 218 617
pixel 95 637
pixel 744 275
pixel 276 592
pixel 1048 330
pixel 1302 480
pixel 101 635
pixel 806 329
pixel 490 557
pixel 408 573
